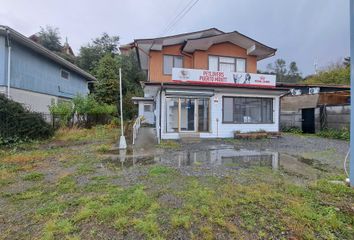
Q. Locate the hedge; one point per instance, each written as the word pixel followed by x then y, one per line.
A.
pixel 19 124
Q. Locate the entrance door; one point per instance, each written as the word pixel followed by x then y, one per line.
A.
pixel 187 115
pixel 308 120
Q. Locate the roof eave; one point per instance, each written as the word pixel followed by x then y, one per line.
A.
pixel 44 51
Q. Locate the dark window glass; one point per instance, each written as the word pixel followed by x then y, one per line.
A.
pixel 64 74
pixel 247 110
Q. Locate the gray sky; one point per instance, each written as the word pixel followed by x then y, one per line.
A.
pixel 301 30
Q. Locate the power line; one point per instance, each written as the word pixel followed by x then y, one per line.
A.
pixel 180 16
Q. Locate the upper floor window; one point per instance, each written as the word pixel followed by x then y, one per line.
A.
pixel 170 62
pixel 227 64
pixel 64 74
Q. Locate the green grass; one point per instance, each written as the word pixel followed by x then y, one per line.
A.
pixel 81 201
pixel 160 170
pixel 169 144
pixel 34 176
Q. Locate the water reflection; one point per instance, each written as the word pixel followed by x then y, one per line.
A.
pixel 230 158
pixel 224 158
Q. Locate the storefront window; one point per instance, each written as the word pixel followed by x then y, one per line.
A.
pixel 203 115
pixel 171 115
pixel 247 110
pixel 187 114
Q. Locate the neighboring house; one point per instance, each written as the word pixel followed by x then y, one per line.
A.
pixel 34 76
pixel 314 107
pixel 205 84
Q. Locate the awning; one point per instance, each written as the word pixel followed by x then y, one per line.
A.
pixel 191 93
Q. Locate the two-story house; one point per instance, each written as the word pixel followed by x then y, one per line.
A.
pixel 205 84
pixel 34 76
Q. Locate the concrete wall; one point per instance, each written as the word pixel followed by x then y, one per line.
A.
pixel 36 102
pixel 338 117
pixel 226 130
pixel 290 119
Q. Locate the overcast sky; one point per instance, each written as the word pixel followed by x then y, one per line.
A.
pixel 302 30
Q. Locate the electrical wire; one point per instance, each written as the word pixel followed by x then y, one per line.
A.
pixel 180 16
pixel 176 17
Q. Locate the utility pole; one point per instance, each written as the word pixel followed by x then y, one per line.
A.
pixel 351 19
pixel 122 142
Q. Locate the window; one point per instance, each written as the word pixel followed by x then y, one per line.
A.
pixel 170 62
pixel 172 114
pixel 247 110
pixel 147 108
pixel 64 74
pixel 227 64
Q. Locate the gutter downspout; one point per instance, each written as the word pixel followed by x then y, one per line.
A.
pixel 8 62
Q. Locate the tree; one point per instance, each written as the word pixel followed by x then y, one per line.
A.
pixel 280 69
pixel 49 37
pixel 90 55
pixel 106 88
pixel 332 74
pixel 293 75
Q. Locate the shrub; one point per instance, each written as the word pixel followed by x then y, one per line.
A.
pixel 85 108
pixel 64 110
pixel 19 124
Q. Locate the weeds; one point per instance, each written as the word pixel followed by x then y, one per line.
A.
pixel 343 134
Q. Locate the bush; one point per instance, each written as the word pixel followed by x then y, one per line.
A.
pixel 85 108
pixel 343 134
pixel 64 110
pixel 18 124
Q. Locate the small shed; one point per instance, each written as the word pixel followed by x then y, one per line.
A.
pixel 315 107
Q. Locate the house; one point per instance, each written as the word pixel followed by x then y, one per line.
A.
pixel 34 76
pixel 314 107
pixel 205 84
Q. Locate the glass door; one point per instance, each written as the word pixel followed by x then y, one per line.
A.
pixel 187 114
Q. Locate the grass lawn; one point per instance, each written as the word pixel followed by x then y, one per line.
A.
pixel 66 189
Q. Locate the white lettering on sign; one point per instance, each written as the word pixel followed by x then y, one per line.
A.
pixel 206 76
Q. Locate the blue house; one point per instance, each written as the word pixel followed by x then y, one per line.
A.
pixel 34 76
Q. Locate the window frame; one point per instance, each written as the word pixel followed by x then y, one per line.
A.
pixel 61 76
pixel 173 63
pixel 233 114
pixel 235 60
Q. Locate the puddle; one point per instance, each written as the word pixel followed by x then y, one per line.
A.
pixel 224 159
pixel 230 158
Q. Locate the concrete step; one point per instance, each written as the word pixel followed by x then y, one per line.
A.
pixel 146 138
pixel 189 137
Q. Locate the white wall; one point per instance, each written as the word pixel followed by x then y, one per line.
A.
pixel 223 130
pixel 149 117
pixel 36 102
